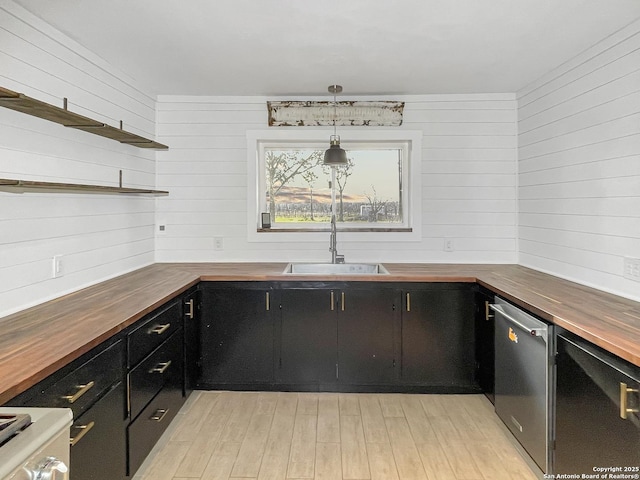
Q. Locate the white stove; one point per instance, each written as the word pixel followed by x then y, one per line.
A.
pixel 34 443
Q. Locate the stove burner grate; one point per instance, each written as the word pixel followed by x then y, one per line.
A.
pixel 11 424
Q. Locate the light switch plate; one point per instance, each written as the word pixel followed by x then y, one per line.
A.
pixel 56 266
pixel 632 268
pixel 448 245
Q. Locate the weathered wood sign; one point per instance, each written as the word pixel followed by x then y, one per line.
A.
pixel 313 114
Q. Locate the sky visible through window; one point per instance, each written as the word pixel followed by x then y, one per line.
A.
pixel 377 168
pixel 368 190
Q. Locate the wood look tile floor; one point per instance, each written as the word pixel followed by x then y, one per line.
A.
pixel 333 436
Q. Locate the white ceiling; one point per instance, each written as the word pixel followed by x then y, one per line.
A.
pixel 298 47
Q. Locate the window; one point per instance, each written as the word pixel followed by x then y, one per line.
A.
pixel 368 189
pixel 378 191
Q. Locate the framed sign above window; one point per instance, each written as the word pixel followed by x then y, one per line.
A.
pixel 354 113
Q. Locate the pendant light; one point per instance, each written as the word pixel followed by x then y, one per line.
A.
pixel 335 155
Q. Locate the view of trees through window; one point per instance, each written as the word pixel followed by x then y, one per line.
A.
pixel 368 188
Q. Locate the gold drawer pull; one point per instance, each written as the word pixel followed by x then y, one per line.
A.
pixel 82 390
pixel 161 367
pixel 159 329
pixel 84 429
pixel 332 300
pixel 159 414
pixel 342 300
pixel 624 391
pixel 267 302
pixel 190 312
pixel 408 302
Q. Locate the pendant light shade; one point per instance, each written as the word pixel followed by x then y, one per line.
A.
pixel 335 155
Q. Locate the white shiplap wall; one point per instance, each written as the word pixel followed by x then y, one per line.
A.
pixel 468 182
pixel 579 166
pixel 98 236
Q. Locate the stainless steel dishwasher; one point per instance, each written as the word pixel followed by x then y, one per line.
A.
pixel 524 349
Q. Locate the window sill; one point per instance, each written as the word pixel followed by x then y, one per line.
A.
pixel 328 229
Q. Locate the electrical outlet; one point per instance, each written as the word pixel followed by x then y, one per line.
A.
pixel 56 266
pixel 162 229
pixel 632 268
pixel 448 245
pixel 218 243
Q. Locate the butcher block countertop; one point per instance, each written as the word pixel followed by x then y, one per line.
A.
pixel 36 342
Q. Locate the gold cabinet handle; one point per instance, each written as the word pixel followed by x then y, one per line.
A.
pixel 267 301
pixel 624 397
pixel 190 312
pixel 84 429
pixel 332 301
pixel 487 311
pixel 160 367
pixel 159 414
pixel 342 300
pixel 408 302
pixel 82 390
pixel 159 329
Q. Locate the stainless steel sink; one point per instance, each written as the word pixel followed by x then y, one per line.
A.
pixel 335 269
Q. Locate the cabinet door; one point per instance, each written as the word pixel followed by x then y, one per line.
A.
pixel 366 335
pixel 308 340
pixel 438 337
pixel 98 440
pixel 485 344
pixel 191 316
pixel 236 335
pixel 589 429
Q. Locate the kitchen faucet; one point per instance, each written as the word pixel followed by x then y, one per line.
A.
pixel 333 242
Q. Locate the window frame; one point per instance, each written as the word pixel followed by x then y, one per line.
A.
pixel 408 140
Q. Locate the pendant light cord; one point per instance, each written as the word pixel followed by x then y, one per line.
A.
pixel 335 113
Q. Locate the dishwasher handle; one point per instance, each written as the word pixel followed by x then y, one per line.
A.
pixel 534 332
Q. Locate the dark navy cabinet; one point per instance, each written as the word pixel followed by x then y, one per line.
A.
pixel 307 347
pixel 368 335
pixel 237 335
pixel 93 386
pixel 191 308
pixel 338 336
pixel 485 343
pixel 597 410
pixel 438 337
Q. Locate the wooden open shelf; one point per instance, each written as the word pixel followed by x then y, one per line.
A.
pixel 19 186
pixel 31 106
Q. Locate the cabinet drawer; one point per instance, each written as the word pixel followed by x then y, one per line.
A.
pixel 153 332
pixel 145 431
pixel 162 367
pixel 83 386
pixel 98 439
